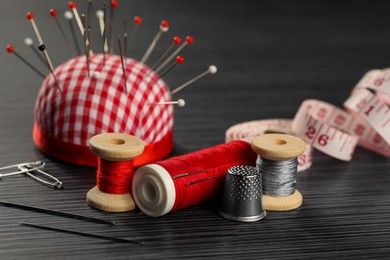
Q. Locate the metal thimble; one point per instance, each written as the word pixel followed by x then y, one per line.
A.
pixel 242 194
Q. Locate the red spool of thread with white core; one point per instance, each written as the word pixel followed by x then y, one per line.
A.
pixel 115 171
pixel 187 180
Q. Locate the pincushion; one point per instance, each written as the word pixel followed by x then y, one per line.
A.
pixel 78 106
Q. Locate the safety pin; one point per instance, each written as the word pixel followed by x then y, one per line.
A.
pixel 26 168
pixel 30 167
pixel 33 166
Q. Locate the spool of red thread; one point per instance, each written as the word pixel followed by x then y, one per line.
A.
pixel 187 180
pixel 115 171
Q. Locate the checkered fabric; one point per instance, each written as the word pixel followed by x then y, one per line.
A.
pixel 100 103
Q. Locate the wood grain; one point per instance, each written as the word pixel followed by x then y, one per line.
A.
pixel 269 60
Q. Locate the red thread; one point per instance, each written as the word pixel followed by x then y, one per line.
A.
pixel 114 177
pixel 195 188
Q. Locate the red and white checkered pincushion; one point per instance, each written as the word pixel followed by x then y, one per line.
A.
pixel 99 103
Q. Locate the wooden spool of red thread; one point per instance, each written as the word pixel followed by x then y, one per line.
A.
pixel 113 190
pixel 186 180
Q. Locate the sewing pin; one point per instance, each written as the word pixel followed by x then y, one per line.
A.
pixel 176 41
pixel 69 16
pixel 73 7
pixel 179 60
pixel 30 43
pixel 179 103
pixel 42 48
pixel 137 22
pixel 30 16
pixel 121 240
pixel 123 64
pixel 114 5
pixel 10 49
pixel 100 17
pixel 53 13
pixel 125 37
pixel 164 27
pixel 187 174
pixel 201 180
pixel 56 213
pixel 189 40
pixel 212 70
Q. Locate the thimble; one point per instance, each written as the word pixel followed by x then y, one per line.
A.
pixel 241 199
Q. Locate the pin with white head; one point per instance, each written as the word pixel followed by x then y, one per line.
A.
pixel 30 43
pixel 96 75
pixel 189 40
pixel 53 13
pixel 164 27
pixel 179 103
pixel 69 17
pixel 211 70
pixel 100 17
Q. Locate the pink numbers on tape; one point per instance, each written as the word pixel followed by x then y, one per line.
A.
pixel 333 130
pixel 323 126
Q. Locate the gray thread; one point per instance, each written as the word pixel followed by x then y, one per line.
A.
pixel 279 177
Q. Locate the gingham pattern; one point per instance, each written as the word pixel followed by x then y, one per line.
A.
pixel 88 105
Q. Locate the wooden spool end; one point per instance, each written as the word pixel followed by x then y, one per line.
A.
pixel 282 203
pixel 114 147
pixel 279 147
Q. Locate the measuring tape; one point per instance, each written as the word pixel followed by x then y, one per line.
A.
pixel 333 130
pixel 248 130
pixel 324 127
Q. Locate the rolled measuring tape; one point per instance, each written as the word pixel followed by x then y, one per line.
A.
pixel 324 126
pixel 248 130
pixel 333 130
pixel 378 81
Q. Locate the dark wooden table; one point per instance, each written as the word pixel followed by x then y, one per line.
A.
pixel 270 59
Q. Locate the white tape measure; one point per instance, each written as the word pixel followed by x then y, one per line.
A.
pixel 321 125
pixel 248 130
pixel 331 129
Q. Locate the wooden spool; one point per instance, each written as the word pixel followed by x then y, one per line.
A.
pixel 279 147
pixel 114 147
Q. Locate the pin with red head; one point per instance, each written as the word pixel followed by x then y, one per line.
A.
pixel 176 41
pixel 137 22
pixel 189 40
pixel 53 13
pixel 10 49
pixel 164 27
